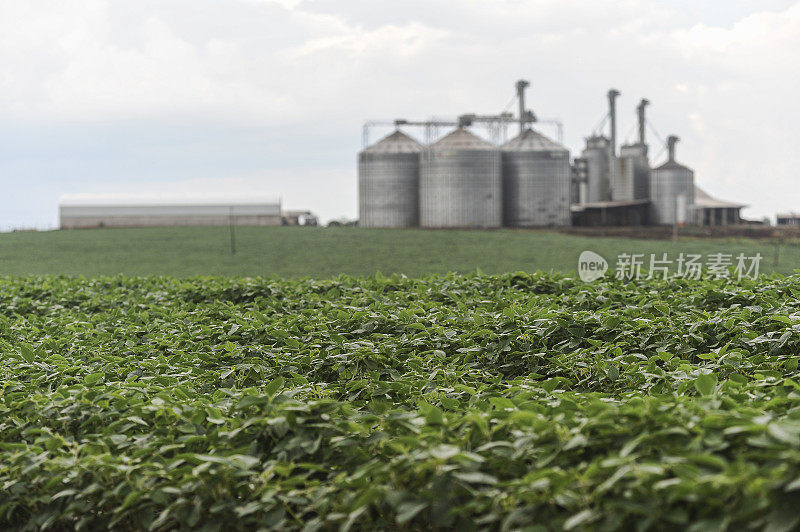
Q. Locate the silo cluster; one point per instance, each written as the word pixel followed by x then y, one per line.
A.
pixel 464 181
pixel 612 177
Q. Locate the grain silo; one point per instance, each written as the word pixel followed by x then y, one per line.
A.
pixel 388 182
pixel 631 181
pixel 536 181
pixel 671 190
pixel 460 184
pixel 596 155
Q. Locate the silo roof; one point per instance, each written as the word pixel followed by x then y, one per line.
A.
pixel 461 139
pixel 672 165
pixel 532 140
pixel 397 142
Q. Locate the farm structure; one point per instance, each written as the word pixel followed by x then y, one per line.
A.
pixel 789 218
pixel 95 212
pixel 709 211
pixel 451 181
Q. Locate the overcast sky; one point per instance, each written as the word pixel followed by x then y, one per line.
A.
pixel 267 97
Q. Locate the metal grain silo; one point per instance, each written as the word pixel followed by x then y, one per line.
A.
pixel 597 184
pixel 536 181
pixel 668 183
pixel 460 184
pixel 388 182
pixel 631 181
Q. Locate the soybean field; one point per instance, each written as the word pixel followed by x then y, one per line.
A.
pixel 473 401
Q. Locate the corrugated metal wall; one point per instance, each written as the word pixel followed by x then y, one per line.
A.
pixel 668 181
pixel 88 216
pixel 536 182
pixel 631 181
pixel 460 185
pixel 596 155
pixel 388 182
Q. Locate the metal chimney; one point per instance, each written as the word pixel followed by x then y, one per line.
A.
pixel 640 110
pixel 521 86
pixel 671 141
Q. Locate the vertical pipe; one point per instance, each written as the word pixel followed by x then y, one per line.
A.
pixel 612 145
pixel 612 114
pixel 640 109
pixel 671 141
pixel 521 85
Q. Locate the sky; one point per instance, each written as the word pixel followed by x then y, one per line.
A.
pixel 267 97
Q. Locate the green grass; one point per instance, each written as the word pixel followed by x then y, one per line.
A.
pixel 444 402
pixel 323 252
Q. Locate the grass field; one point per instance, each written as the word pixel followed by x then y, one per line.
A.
pixel 451 402
pixel 324 252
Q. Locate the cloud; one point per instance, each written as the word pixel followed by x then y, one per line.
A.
pixel 301 76
pixel 740 104
pixel 286 4
pixel 402 42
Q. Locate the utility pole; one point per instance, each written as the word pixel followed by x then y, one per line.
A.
pixel 232 225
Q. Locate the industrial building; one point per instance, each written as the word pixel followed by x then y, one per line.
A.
pixel 788 219
pixel 613 189
pixel 464 181
pixel 709 211
pixel 634 212
pixel 84 212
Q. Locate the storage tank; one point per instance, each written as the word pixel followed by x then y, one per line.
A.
pixel 536 181
pixel 388 182
pixel 631 181
pixel 460 184
pixel 668 183
pixel 596 155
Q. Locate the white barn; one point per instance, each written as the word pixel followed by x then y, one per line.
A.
pixel 82 211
